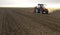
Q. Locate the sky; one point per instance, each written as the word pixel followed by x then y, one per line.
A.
pixel 29 3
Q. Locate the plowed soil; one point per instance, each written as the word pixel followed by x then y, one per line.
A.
pixel 22 21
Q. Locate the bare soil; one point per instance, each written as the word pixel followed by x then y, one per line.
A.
pixel 22 21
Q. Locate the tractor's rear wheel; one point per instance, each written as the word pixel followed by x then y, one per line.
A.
pixel 45 11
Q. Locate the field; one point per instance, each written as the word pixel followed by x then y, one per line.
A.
pixel 22 21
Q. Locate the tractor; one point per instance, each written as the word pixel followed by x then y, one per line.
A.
pixel 40 9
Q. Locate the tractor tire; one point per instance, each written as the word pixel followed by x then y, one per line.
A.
pixel 45 11
pixel 35 10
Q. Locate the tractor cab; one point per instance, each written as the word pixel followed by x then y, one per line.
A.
pixel 40 5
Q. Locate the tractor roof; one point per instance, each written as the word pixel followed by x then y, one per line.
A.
pixel 40 4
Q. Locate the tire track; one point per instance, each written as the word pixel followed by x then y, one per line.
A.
pixel 8 24
pixel 1 20
pixel 12 23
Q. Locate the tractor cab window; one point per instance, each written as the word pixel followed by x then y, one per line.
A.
pixel 40 5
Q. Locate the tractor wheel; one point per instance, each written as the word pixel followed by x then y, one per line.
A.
pixel 45 11
pixel 35 10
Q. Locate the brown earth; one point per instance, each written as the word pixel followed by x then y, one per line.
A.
pixel 21 21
